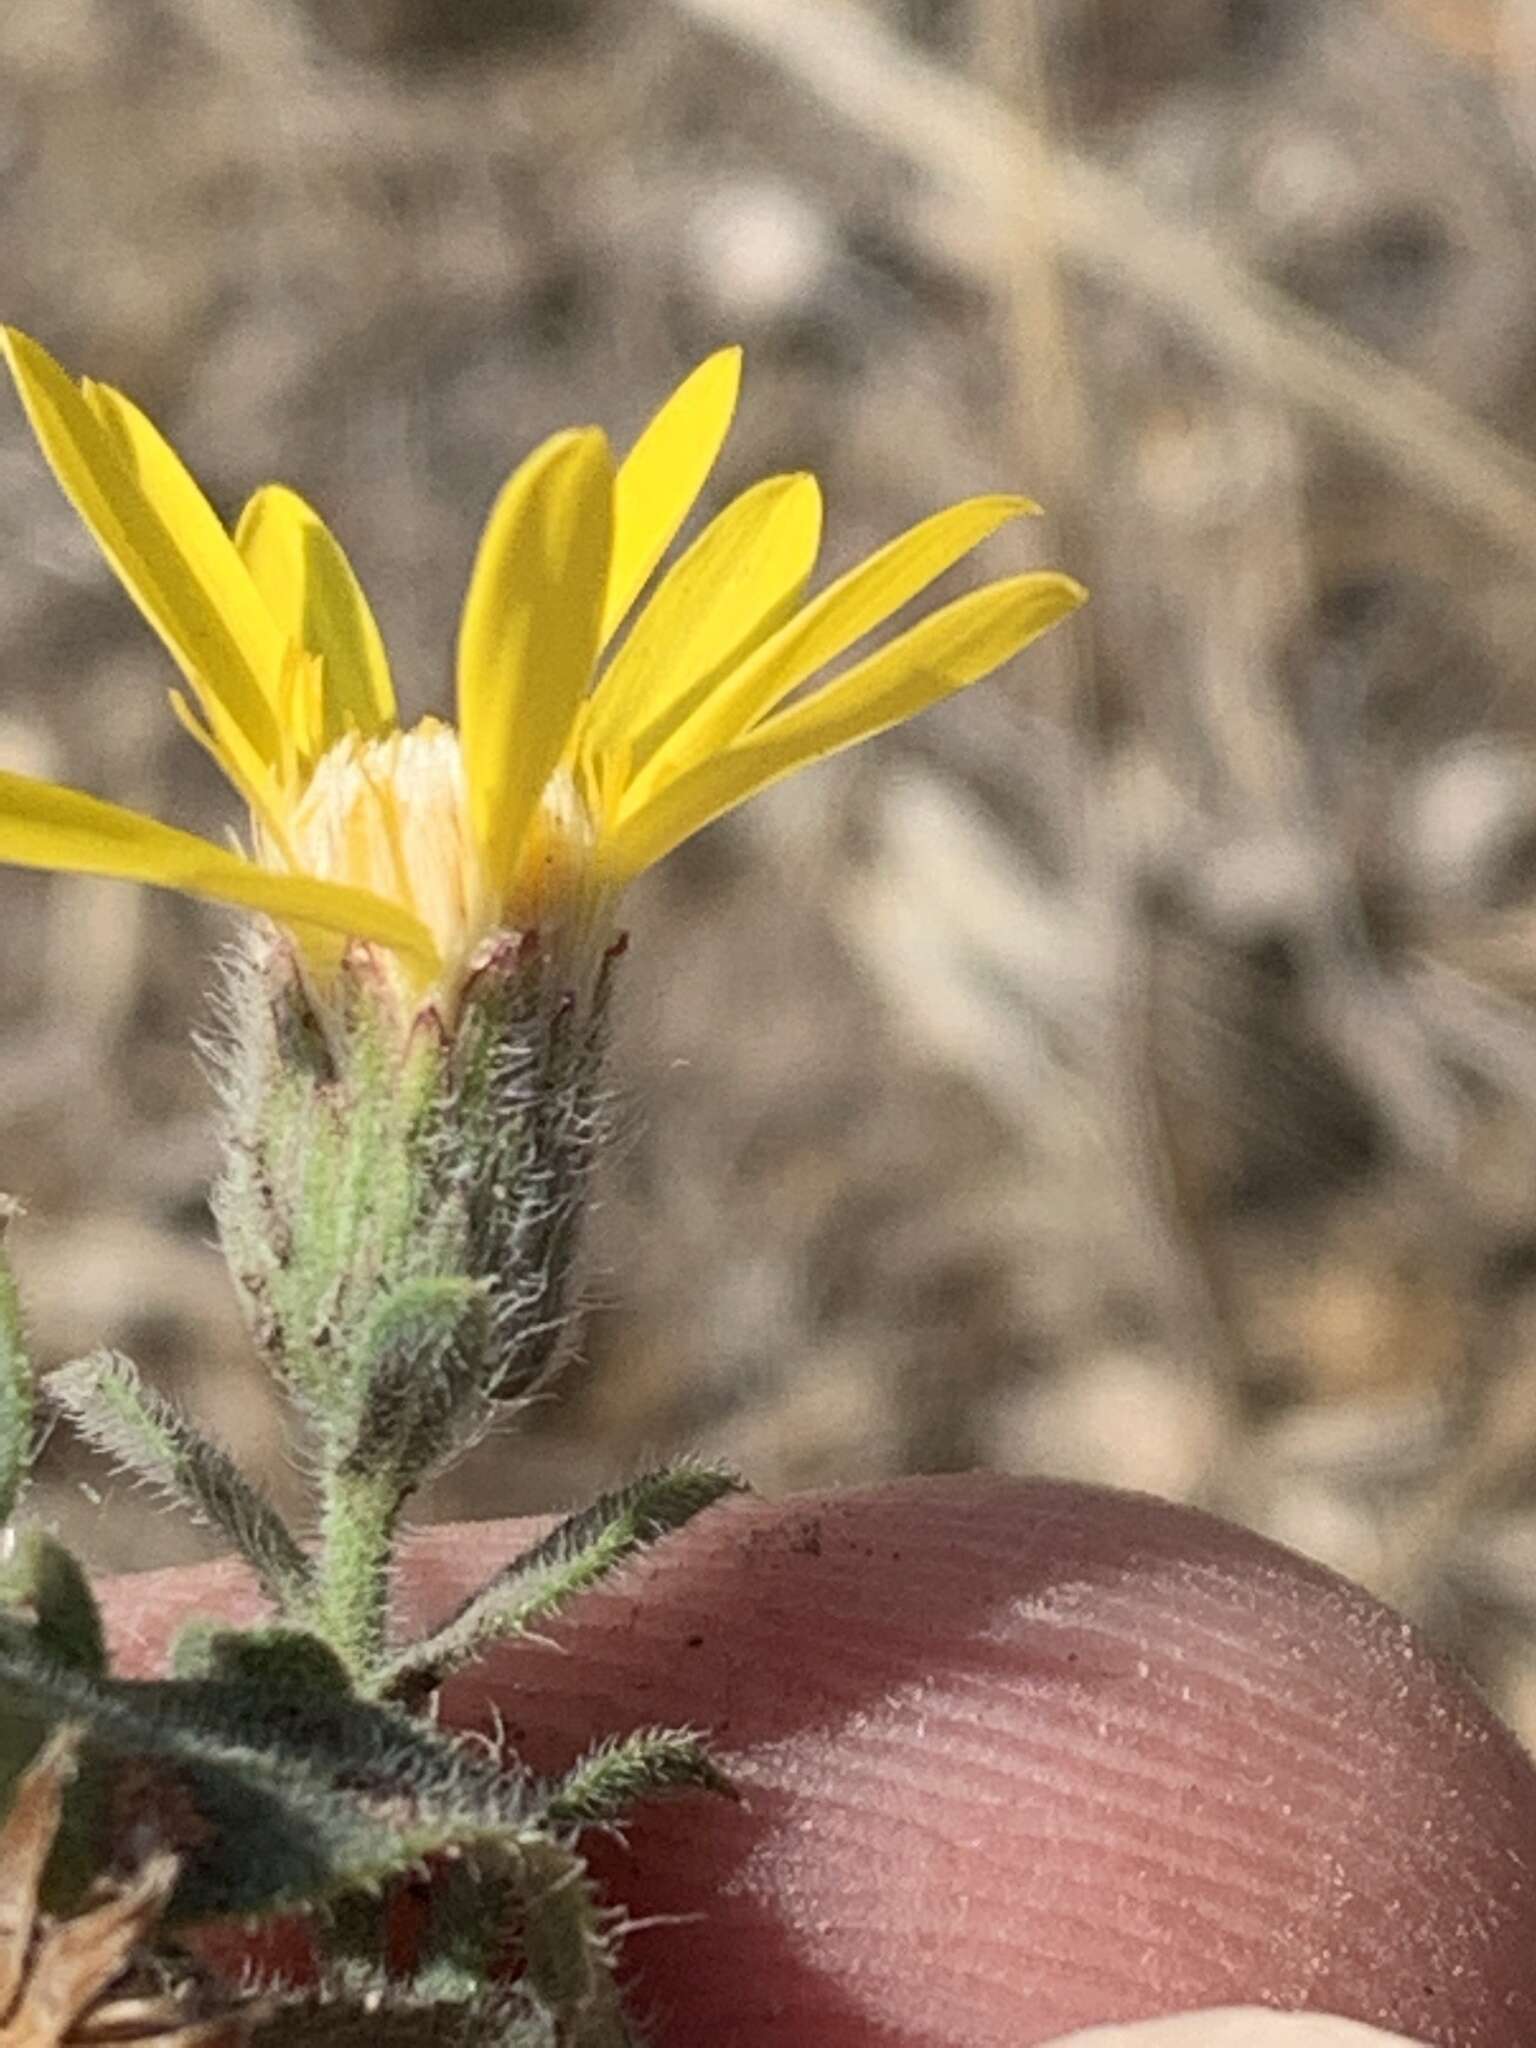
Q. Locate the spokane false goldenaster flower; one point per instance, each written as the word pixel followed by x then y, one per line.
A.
pixel 565 776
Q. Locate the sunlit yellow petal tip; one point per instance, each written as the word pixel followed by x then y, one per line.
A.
pixel 312 594
pixel 945 652
pixel 24 357
pixel 859 601
pixel 530 633
pixel 661 477
pixel 164 542
pixel 737 584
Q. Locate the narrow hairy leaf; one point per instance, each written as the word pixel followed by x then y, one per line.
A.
pixel 109 1403
pixel 579 1553
pixel 615 1775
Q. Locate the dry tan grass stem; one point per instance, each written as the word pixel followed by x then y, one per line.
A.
pixel 1105 229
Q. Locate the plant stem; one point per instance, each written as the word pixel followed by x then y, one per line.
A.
pixel 357 1542
pixel 16 1387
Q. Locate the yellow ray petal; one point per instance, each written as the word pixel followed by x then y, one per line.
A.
pixel 301 712
pixel 663 474
pixel 45 826
pixel 829 624
pixel 955 647
pixel 161 570
pixel 737 584
pixel 312 593
pixel 529 636
pixel 186 515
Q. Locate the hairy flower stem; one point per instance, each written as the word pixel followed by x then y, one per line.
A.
pixel 358 1525
pixel 16 1389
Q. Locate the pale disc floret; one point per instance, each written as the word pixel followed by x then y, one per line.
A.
pixel 392 815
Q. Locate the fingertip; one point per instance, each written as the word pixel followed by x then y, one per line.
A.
pixel 1021 1758
pixel 1016 1759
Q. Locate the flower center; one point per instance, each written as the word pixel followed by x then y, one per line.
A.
pixel 392 815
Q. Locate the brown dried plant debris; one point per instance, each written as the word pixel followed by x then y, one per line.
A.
pixel 80 1982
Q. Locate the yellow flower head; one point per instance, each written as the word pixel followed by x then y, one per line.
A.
pixel 565 776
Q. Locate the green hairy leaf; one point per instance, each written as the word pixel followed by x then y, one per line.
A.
pixel 43 1580
pixel 285 1795
pixel 126 1421
pixel 577 1554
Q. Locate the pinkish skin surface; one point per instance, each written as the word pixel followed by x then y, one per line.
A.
pixel 1015 1758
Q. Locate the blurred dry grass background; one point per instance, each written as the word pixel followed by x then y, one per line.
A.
pixel 1130 1071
